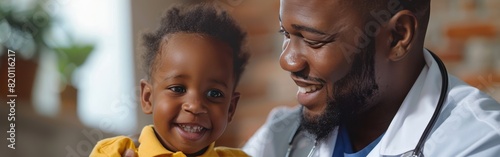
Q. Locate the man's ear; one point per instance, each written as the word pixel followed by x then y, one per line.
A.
pixel 146 104
pixel 232 105
pixel 403 27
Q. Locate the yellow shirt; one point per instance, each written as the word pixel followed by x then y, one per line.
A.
pixel 151 146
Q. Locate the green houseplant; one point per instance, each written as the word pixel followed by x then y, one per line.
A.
pixel 27 31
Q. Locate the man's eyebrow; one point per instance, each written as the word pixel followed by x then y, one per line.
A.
pixel 307 29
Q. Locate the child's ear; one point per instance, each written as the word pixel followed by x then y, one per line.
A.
pixel 146 104
pixel 232 105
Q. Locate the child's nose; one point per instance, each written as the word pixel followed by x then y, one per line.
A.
pixel 194 106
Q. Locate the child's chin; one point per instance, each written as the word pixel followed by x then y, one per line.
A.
pixel 194 150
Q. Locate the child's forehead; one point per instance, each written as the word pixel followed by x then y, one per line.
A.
pixel 196 56
pixel 188 46
pixel 202 43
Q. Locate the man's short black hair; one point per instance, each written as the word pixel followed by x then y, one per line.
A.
pixel 415 6
pixel 420 8
pixel 412 5
pixel 202 18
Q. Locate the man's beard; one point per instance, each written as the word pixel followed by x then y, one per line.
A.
pixel 350 96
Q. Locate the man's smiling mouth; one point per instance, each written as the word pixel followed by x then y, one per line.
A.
pixel 309 89
pixel 306 85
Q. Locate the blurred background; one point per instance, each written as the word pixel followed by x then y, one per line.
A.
pixel 77 66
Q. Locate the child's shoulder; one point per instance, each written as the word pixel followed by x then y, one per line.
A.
pixel 226 151
pixel 113 147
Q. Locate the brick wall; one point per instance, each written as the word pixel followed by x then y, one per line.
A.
pixel 465 33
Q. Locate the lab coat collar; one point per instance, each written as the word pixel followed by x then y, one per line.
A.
pixel 326 147
pixel 414 114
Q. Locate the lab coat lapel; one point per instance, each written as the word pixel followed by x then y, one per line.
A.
pixel 414 114
pixel 327 146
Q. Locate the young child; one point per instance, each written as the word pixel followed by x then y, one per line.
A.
pixel 193 63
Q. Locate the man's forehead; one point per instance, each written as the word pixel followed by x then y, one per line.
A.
pixel 315 9
pixel 314 5
pixel 314 16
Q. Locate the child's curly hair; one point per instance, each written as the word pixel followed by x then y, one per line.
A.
pixel 202 18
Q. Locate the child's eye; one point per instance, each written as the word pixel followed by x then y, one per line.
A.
pixel 214 93
pixel 177 89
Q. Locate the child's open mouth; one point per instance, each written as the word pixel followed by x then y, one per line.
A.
pixel 191 128
pixel 191 131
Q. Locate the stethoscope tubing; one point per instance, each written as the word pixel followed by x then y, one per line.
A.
pixel 442 97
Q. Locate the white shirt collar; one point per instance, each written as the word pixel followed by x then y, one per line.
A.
pixel 415 112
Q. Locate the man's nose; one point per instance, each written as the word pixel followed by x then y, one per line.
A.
pixel 194 105
pixel 291 58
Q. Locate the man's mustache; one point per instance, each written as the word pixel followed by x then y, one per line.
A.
pixel 308 78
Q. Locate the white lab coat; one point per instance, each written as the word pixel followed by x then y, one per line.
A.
pixel 469 124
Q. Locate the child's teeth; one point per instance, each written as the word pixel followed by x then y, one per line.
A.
pixel 191 129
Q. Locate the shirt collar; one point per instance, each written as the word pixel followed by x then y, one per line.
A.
pixel 151 146
pixel 415 112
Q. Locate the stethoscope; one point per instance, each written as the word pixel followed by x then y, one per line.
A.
pixel 417 152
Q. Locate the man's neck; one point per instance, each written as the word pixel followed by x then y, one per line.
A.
pixel 365 129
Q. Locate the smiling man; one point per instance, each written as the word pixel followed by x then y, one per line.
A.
pixel 367 87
